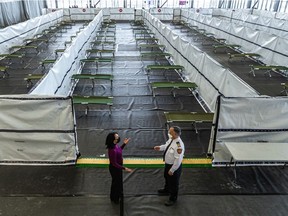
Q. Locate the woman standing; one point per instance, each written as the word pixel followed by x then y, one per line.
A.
pixel 116 164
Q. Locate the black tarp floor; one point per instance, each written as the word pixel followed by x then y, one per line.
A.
pixel 35 190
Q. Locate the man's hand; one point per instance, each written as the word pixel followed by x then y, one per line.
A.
pixel 157 148
pixel 170 173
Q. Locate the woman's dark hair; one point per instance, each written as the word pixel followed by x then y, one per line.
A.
pixel 110 140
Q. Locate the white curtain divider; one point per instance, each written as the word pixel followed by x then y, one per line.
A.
pixel 121 13
pixel 33 8
pixel 281 47
pixel 82 13
pixel 9 18
pixel 246 120
pixel 37 130
pixel 16 34
pixel 212 79
pixel 270 22
pixel 251 40
pixel 162 13
pixel 58 80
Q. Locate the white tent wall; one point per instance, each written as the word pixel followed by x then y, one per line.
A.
pixel 266 21
pixel 37 130
pixel 77 14
pixel 247 120
pixel 16 34
pixel 251 40
pixel 281 15
pixel 162 13
pixel 281 45
pixel 34 8
pixel 8 18
pixel 198 66
pixel 22 11
pixel 58 79
pixel 120 13
pixel 82 13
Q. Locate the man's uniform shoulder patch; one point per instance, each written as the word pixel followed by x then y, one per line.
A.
pixel 179 148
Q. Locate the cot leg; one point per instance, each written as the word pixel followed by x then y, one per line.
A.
pixel 235 172
pixel 153 92
pixel 5 74
pixel 195 127
pixel 86 110
pixel 93 84
pixel 111 84
pixel 173 93
pixel 110 110
pixel 97 64
pixel 29 83
pixel 253 72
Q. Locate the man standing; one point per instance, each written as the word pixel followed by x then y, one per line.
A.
pixel 173 156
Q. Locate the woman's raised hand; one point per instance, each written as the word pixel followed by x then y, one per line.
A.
pixel 126 141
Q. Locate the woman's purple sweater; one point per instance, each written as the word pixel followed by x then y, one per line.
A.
pixel 115 156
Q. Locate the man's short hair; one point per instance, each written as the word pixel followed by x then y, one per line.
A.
pixel 177 130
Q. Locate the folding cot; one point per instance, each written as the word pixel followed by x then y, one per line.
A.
pixel 268 69
pixel 164 67
pixel 97 61
pixel 226 47
pixel 188 117
pixel 154 55
pixel 93 77
pixel 173 86
pixel 100 51
pixel 93 100
pixel 152 46
pixel 243 56
pixel 30 77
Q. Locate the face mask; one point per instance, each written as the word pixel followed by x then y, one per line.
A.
pixel 170 136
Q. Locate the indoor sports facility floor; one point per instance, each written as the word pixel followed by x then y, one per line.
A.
pixel 81 190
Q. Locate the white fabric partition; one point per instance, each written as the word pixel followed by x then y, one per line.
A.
pixel 270 22
pixel 16 11
pixel 58 80
pixel 211 78
pixel 37 130
pixel 162 13
pixel 81 13
pixel 269 46
pixel 120 13
pixel 15 34
pixel 243 120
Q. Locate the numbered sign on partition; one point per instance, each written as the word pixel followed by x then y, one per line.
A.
pixel 84 10
pixel 182 2
pixel 120 10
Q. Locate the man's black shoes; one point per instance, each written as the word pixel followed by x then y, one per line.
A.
pixel 170 203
